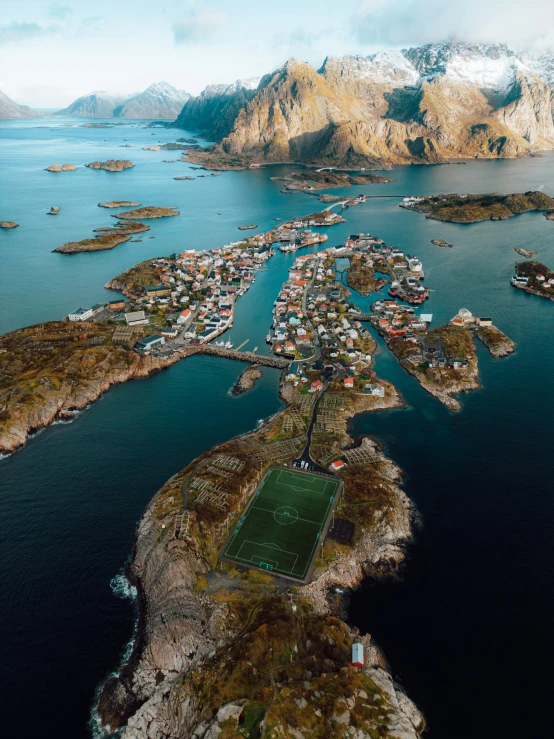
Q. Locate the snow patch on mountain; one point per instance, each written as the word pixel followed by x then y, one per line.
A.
pixel 488 66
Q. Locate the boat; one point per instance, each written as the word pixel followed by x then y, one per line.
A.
pixel 229 344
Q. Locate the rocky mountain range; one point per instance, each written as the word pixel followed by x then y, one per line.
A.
pixel 10 109
pixel 216 108
pixel 159 101
pixel 427 104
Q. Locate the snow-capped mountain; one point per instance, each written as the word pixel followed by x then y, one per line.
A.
pixel 159 100
pixel 10 109
pixel 428 104
pixel 98 104
pixel 489 67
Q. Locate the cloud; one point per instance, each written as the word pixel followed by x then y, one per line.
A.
pixel 201 26
pixel 14 31
pixel 60 11
pixel 412 22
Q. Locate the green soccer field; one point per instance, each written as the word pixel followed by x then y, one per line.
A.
pixel 282 527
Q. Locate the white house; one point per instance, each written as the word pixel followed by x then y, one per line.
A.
pixel 81 314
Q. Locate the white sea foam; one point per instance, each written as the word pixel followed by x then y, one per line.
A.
pixel 122 588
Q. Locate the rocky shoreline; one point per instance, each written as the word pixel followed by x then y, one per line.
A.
pixel 496 341
pixel 61 402
pixel 246 380
pixel 192 619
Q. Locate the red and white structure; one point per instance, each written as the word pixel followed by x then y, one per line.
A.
pixel 357 656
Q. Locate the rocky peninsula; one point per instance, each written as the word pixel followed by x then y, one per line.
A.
pixel 61 168
pixel 440 381
pixel 54 369
pixel 476 208
pixel 111 165
pixel 496 341
pixel 106 238
pixel 228 652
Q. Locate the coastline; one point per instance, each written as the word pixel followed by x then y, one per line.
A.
pixel 185 624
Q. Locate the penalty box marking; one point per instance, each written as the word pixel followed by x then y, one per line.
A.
pixel 304 487
pixel 272 548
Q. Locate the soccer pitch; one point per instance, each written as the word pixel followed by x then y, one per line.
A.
pixel 282 527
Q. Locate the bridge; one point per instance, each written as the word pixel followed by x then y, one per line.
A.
pixel 361 316
pixel 250 357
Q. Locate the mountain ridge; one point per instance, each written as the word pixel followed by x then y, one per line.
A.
pixel 159 100
pixel 9 109
pixel 425 104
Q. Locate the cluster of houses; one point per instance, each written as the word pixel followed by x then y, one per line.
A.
pixel 395 321
pixel 406 271
pixel 196 293
pixel 314 322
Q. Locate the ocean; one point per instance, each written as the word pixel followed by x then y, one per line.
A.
pixel 469 630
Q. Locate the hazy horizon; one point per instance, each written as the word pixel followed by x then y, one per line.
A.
pixel 189 44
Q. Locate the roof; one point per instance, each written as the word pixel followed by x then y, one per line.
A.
pixel 137 315
pixel 149 339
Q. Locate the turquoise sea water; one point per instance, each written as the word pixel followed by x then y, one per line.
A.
pixel 470 630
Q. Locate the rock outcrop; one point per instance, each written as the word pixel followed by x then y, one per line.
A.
pixel 111 165
pixel 9 224
pixel 61 168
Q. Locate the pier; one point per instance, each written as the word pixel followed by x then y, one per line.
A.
pixel 250 357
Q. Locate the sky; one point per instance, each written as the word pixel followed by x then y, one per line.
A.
pixel 53 52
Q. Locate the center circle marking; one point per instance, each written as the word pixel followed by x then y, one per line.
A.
pixel 286 515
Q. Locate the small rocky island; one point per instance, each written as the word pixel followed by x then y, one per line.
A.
pixel 247 380
pixel 107 238
pixel 118 204
pixel 310 180
pixel 248 227
pixel 527 253
pixel 111 165
pixel 476 208
pixel 61 168
pixel 54 210
pixel 534 278
pixel 147 212
pixel 9 224
pixel 441 242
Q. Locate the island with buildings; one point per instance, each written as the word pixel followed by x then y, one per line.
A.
pixel 475 208
pixel 534 278
pixel 176 306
